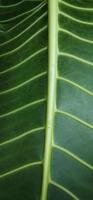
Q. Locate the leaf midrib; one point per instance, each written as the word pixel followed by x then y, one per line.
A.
pixel 52 67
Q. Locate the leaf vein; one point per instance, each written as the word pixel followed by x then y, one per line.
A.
pixel 24 61
pixel 26 29
pixel 21 136
pixel 73 156
pixel 75 118
pixel 76 85
pixel 20 168
pixel 23 20
pixel 75 57
pixel 23 44
pixel 75 36
pixel 22 108
pixel 61 187
pixel 75 19
pixel 20 15
pixel 76 7
pixel 24 83
pixel 12 5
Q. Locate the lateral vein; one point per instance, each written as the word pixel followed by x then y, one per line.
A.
pixel 76 85
pixel 75 118
pixel 75 19
pixel 24 61
pixel 24 83
pixel 76 7
pixel 75 36
pixel 23 44
pixel 26 29
pixel 23 20
pixel 22 108
pixel 20 15
pixel 20 168
pixel 61 187
pixel 12 5
pixel 75 57
pixel 21 136
pixel 73 156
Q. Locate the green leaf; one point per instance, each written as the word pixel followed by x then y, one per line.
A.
pixel 46 140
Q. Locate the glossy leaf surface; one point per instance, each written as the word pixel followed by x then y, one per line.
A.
pixel 46 143
pixel 71 163
pixel 23 88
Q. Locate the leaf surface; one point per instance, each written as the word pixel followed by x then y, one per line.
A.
pixel 46 143
pixel 70 167
pixel 23 90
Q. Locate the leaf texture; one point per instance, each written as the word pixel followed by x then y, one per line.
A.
pixel 23 91
pixel 46 158
pixel 70 168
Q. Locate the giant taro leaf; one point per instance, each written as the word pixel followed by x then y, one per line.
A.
pixel 46 142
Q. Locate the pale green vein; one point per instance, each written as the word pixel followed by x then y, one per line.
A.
pixel 75 57
pixel 22 135
pixel 76 7
pixel 26 29
pixel 75 19
pixel 26 18
pixel 12 5
pixel 20 15
pixel 20 23
pixel 20 168
pixel 24 61
pixel 24 43
pixel 52 66
pixel 73 156
pixel 61 187
pixel 76 85
pixel 23 107
pixel 75 36
pixel 75 118
pixel 24 83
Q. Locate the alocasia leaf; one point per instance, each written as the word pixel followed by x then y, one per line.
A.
pixel 46 140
